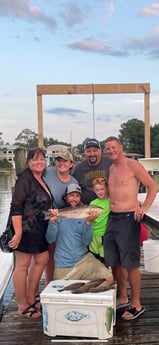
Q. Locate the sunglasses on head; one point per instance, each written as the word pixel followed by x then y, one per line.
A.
pixel 98 180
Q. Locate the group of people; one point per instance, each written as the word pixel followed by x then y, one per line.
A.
pixel 79 248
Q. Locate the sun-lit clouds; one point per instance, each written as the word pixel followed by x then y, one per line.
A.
pixel 76 42
pixel 148 46
pixel 98 46
pixel 128 46
pixel 22 10
pixel 151 10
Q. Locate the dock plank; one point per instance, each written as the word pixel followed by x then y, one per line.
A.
pixel 142 331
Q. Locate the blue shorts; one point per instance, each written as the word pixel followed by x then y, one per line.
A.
pixel 122 240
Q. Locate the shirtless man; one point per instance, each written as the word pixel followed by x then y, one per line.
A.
pixel 121 242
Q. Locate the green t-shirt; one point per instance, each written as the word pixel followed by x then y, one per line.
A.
pixel 100 223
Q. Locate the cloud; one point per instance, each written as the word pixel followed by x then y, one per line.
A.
pixel 7 94
pixel 97 46
pixel 65 111
pixel 112 118
pixel 150 11
pixel 129 46
pixel 72 14
pixel 20 9
pixel 148 46
pixel 109 12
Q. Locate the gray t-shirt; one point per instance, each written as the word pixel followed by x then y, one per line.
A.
pixel 56 186
pixel 85 173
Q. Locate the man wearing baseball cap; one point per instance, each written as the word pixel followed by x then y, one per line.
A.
pixel 94 165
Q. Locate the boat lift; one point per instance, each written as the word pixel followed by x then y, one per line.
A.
pixel 71 89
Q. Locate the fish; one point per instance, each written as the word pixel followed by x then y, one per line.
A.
pixel 104 286
pixel 87 286
pixel 75 212
pixel 72 286
pixel 76 316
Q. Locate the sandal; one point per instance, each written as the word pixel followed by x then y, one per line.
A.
pixel 120 306
pixel 30 312
pixel 37 298
pixel 134 313
pixel 37 305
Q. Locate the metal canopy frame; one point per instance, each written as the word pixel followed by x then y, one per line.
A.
pixel 79 89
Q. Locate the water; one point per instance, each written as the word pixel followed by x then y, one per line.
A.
pixel 7 181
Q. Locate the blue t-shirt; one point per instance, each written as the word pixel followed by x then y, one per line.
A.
pixel 72 236
pixel 56 186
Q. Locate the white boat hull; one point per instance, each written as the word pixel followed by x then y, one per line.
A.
pixel 6 270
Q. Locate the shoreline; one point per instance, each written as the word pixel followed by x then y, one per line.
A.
pixel 7 170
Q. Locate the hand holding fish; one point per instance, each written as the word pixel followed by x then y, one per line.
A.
pixel 54 214
pixel 92 216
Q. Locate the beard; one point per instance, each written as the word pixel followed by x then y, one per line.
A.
pixel 93 160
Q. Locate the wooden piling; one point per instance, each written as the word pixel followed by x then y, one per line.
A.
pixel 20 160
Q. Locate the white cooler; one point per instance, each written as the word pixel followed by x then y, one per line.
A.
pixel 88 315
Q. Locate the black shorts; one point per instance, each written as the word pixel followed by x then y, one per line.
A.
pixel 122 240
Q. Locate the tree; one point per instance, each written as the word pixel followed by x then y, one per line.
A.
pixel 4 164
pixel 132 136
pixel 154 140
pixel 51 141
pixel 27 139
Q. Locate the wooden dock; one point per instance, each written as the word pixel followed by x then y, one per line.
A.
pixel 142 331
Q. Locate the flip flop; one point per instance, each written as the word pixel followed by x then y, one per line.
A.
pixel 120 306
pixel 37 298
pixel 30 312
pixel 37 305
pixel 135 313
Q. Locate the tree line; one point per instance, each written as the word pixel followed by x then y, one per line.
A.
pixel 131 135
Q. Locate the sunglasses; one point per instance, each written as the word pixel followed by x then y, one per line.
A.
pixel 98 180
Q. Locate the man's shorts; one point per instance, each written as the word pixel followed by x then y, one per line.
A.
pixel 122 240
pixel 87 268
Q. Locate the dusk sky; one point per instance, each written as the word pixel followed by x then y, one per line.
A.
pixel 76 42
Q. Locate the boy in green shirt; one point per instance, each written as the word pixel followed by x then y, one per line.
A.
pixel 100 223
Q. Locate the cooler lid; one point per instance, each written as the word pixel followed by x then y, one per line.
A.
pixel 53 291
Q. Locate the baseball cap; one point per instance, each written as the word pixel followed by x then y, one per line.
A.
pixel 91 142
pixel 73 187
pixel 66 155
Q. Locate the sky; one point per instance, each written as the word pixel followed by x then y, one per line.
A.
pixel 76 42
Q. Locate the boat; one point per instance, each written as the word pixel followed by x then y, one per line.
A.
pixel 6 270
pixel 151 217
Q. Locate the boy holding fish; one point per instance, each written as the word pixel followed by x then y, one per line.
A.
pixel 72 237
